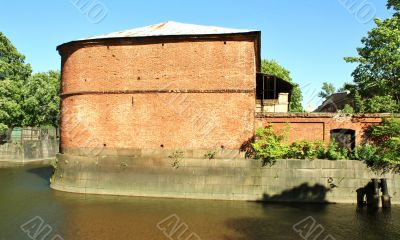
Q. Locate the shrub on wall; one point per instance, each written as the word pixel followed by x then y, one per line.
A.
pixel 381 152
pixel 306 150
pixel 386 141
pixel 365 152
pixel 335 152
pixel 269 146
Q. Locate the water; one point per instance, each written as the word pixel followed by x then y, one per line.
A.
pixel 25 194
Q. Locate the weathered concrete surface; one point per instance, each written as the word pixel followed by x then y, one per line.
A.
pixel 29 150
pixel 154 174
pixel 41 162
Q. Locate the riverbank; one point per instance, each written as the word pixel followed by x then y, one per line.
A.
pixel 27 163
pixel 26 195
pixel 135 173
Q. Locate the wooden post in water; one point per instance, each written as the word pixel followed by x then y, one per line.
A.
pixel 386 203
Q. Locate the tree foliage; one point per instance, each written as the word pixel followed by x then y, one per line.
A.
pixel 42 101
pixel 380 150
pixel 12 63
pixel 327 90
pixel 11 97
pixel 25 99
pixel 13 75
pixel 269 146
pixel 272 67
pixel 395 4
pixel 347 109
pixel 378 70
pixel 380 104
pixel 376 85
pixel 386 145
pixel 389 128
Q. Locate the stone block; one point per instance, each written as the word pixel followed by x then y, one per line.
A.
pixel 273 172
pixel 245 163
pixel 300 164
pixel 350 183
pixel 338 173
pixel 333 164
pixel 280 163
pixel 303 173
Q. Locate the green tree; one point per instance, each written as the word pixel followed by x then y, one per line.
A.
pixel 272 67
pixel 11 96
pixel 327 90
pixel 41 99
pixel 395 4
pixel 347 109
pixel 385 137
pixel 14 73
pixel 25 99
pixel 12 63
pixel 380 104
pixel 358 102
pixel 378 70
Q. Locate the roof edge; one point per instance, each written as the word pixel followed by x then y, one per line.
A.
pixel 196 36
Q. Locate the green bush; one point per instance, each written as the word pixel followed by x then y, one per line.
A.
pixel 306 150
pixel 381 104
pixel 347 109
pixel 385 138
pixel 3 128
pixel 390 156
pixel 380 152
pixel 379 134
pixel 335 152
pixel 365 152
pixel 269 146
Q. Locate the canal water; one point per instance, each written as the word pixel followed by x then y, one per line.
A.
pixel 28 207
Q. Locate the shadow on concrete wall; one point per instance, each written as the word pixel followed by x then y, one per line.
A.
pixel 301 193
pixel 290 205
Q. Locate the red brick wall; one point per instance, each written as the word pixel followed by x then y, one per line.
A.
pixel 222 115
pixel 317 126
pixel 186 65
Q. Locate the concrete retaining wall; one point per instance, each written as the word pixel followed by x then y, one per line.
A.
pixel 144 173
pixel 29 150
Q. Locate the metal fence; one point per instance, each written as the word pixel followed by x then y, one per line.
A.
pixel 24 134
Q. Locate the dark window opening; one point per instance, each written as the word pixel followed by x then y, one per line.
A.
pixel 346 138
pixel 269 87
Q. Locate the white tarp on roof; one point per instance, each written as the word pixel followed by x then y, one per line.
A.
pixel 170 28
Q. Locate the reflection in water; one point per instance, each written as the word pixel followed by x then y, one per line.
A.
pixel 25 194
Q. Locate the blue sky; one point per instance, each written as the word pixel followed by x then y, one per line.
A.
pixel 308 37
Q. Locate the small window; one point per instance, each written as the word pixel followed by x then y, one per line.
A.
pixel 346 138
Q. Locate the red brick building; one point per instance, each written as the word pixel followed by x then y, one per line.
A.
pixel 167 86
pixel 175 86
pixel 136 104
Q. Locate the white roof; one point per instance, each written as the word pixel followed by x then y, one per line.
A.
pixel 170 29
